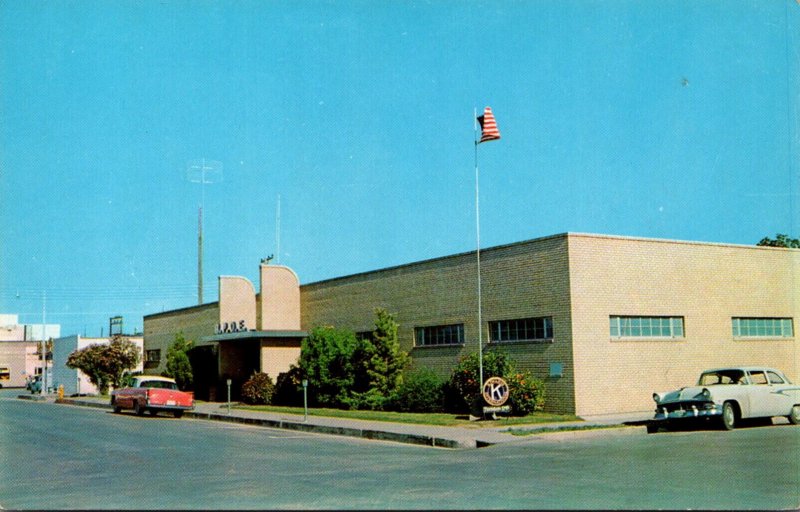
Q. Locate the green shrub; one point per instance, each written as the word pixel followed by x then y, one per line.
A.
pixel 327 361
pixel 420 391
pixel 466 376
pixel 258 390
pixel 178 365
pixel 349 372
pixel 289 387
pixel 370 400
pixel 526 393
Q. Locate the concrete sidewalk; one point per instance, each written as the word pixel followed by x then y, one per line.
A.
pixel 481 435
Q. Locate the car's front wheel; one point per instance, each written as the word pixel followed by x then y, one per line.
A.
pixel 138 409
pixel 794 416
pixel 728 416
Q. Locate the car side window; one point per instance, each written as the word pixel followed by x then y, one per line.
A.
pixel 774 378
pixel 758 378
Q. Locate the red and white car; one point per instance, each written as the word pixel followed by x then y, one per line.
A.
pixel 152 393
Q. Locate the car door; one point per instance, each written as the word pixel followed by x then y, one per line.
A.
pixel 781 397
pixel 758 393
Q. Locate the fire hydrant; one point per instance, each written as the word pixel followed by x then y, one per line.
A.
pixel 60 391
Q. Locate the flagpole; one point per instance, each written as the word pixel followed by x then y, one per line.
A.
pixel 478 252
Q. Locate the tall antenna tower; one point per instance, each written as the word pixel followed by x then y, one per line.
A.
pixel 202 171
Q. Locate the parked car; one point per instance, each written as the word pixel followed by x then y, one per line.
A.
pixel 34 385
pixel 153 394
pixel 729 395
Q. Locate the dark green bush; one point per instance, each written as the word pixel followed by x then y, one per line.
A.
pixel 289 388
pixel 420 391
pixel 258 390
pixel 327 360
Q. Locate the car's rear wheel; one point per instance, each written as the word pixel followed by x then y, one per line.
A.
pixel 177 414
pixel 794 417
pixel 728 416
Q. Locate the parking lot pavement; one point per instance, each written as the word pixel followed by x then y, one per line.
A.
pixel 426 435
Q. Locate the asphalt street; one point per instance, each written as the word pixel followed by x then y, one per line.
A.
pixel 56 457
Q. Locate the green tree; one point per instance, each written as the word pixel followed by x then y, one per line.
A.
pixel 780 240
pixel 379 364
pixel 326 360
pixel 178 365
pixel 106 364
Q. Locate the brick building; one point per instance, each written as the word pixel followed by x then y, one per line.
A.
pixel 604 320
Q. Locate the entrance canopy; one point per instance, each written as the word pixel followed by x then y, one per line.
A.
pixel 253 335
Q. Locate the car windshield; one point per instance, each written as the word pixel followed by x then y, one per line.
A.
pixel 158 384
pixel 722 377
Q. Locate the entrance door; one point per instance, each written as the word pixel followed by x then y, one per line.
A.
pixel 205 372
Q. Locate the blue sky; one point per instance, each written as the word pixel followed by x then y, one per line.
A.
pixel 673 120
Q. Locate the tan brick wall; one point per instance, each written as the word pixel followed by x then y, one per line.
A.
pixel 279 301
pixel 160 329
pixel 707 284
pixel 523 280
pixel 237 301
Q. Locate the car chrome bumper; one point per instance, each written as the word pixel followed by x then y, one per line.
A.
pixel 687 413
pixel 165 407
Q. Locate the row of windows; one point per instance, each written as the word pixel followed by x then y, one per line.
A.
pixel 502 331
pixel 541 329
pixel 672 327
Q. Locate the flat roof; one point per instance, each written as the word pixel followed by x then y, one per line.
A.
pixel 566 235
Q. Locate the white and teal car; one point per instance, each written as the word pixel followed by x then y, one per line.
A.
pixel 729 395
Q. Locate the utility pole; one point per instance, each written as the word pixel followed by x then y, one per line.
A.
pixel 202 171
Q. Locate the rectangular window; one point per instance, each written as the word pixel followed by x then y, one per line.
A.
pixel 646 326
pixel 762 328
pixel 365 335
pixel 439 335
pixel 153 356
pixel 525 329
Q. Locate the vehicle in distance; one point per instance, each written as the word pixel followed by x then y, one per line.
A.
pixel 729 395
pixel 5 374
pixel 153 394
pixel 34 385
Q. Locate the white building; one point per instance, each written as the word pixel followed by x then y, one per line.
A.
pixel 76 382
pixel 20 356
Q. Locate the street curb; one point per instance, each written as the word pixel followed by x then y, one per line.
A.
pixel 370 434
pixel 34 398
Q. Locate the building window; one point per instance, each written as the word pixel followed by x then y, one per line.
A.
pixel 525 329
pixel 439 335
pixel 153 356
pixel 365 335
pixel 762 328
pixel 646 326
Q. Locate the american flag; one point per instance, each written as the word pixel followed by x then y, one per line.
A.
pixel 489 129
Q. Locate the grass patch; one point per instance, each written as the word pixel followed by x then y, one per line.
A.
pixel 438 419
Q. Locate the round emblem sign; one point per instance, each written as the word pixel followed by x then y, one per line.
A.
pixel 495 391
